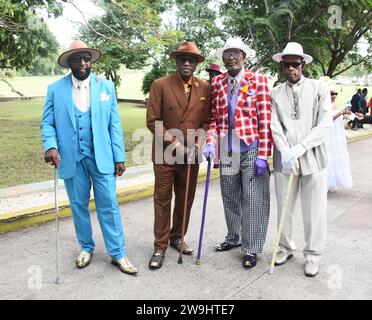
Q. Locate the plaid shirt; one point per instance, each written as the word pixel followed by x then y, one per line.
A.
pixel 252 113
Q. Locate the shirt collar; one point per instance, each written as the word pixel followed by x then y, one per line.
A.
pixel 298 83
pixel 84 83
pixel 238 77
pixel 189 82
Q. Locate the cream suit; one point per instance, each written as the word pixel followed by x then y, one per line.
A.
pixel 309 128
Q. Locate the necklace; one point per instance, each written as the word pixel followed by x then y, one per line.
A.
pixel 295 114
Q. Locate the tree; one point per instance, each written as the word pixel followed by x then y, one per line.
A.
pixel 128 33
pixel 24 36
pixel 268 25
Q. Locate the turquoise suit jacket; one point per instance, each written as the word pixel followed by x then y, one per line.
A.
pixel 58 125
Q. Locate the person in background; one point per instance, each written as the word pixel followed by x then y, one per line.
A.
pixel 339 172
pixel 213 71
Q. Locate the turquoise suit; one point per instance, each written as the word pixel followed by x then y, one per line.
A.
pixel 89 144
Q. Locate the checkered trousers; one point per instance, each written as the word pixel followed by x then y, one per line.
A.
pixel 246 200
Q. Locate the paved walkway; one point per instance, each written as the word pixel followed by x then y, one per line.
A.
pixel 27 261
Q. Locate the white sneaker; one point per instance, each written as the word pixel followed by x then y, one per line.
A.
pixel 311 268
pixel 282 256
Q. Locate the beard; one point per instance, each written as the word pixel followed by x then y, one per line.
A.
pixel 81 75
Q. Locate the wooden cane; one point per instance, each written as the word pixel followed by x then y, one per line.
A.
pixel 281 224
pixel 185 208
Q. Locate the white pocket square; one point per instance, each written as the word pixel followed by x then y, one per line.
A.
pixel 105 96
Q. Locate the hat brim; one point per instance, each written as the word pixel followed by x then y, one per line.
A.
pixel 177 53
pixel 278 57
pixel 63 58
pixel 210 70
pixel 249 53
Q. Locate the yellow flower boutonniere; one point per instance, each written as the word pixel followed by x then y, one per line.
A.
pixel 196 84
pixel 244 89
pixel 202 99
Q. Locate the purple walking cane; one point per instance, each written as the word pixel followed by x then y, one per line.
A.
pixel 204 211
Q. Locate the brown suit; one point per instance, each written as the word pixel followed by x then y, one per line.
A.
pixel 169 103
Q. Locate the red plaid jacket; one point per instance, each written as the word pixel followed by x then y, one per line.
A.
pixel 252 113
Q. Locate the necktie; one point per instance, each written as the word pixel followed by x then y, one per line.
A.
pixel 81 98
pixel 232 86
pixel 186 88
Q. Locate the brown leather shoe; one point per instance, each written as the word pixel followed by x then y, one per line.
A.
pixel 156 260
pixel 185 248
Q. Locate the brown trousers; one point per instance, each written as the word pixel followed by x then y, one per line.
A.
pixel 167 176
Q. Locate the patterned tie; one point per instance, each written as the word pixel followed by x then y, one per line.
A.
pixel 186 87
pixel 232 86
pixel 81 98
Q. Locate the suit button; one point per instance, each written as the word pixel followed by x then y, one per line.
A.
pixel 81 139
pixel 181 121
pixel 79 116
pixel 82 150
pixel 80 128
pixel 170 109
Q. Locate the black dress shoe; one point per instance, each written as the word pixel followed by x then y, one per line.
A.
pixel 224 246
pixel 249 260
pixel 156 260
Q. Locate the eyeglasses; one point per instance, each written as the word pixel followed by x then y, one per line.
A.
pixel 183 59
pixel 78 57
pixel 287 64
pixel 234 53
pixel 334 93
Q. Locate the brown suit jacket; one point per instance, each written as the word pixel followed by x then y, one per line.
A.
pixel 168 103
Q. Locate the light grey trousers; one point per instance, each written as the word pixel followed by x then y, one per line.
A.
pixel 246 200
pixel 312 190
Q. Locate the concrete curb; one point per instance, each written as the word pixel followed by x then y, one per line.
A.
pixel 38 215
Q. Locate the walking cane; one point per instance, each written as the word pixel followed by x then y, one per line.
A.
pixel 58 278
pixel 281 224
pixel 185 206
pixel 204 211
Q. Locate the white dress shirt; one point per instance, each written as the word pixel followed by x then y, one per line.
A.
pixel 81 93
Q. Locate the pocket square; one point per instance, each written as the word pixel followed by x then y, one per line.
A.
pixel 105 96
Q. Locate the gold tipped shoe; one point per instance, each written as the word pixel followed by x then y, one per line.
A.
pixel 83 259
pixel 124 265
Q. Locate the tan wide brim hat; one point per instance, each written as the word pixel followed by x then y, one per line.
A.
pixel 75 47
pixel 188 48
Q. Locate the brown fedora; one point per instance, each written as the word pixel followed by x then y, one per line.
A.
pixel 188 48
pixel 78 46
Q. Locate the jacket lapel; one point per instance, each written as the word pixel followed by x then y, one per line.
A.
pixel 245 86
pixel 67 98
pixel 95 91
pixel 193 98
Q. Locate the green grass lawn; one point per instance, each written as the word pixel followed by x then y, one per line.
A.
pixel 130 88
pixel 21 153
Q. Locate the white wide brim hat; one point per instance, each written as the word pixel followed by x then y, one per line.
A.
pixel 235 43
pixel 293 49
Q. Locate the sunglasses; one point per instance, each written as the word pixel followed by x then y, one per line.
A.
pixel 287 64
pixel 183 59
pixel 78 57
pixel 334 93
pixel 235 54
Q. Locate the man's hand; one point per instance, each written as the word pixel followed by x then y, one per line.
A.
pixel 290 157
pixel 359 116
pixel 119 168
pixel 209 151
pixel 52 157
pixel 260 166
